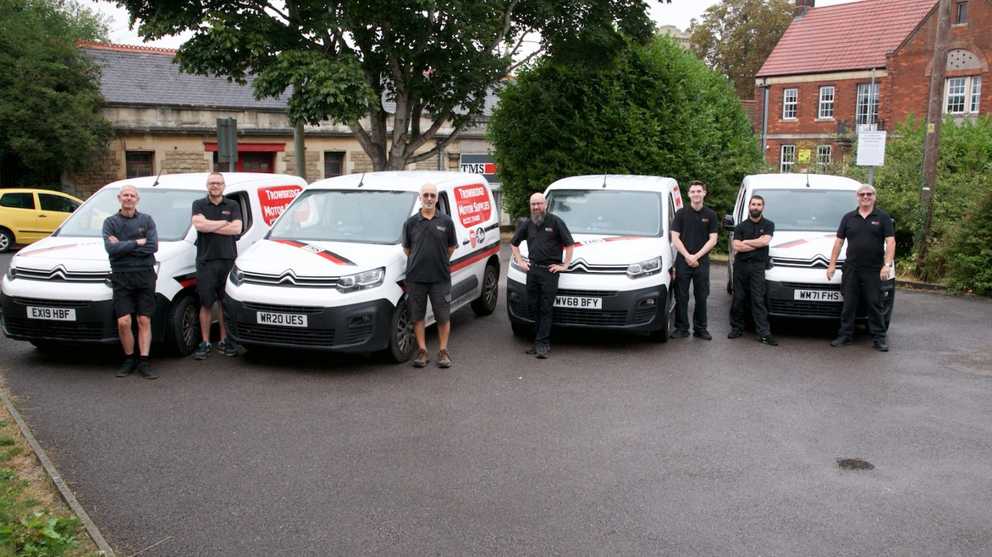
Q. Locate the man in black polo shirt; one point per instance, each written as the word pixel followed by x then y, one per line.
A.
pixel 751 239
pixel 217 220
pixel 866 230
pixel 429 239
pixel 694 233
pixel 545 234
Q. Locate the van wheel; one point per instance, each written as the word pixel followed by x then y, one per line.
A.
pixel 485 304
pixel 6 240
pixel 402 342
pixel 663 334
pixel 183 328
pixel 522 330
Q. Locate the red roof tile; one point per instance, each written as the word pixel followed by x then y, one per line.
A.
pixel 125 47
pixel 845 37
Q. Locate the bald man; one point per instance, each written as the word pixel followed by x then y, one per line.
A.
pixel 546 235
pixel 131 241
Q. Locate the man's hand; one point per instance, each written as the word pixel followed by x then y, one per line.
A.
pixel 884 273
pixel 141 241
pixel 831 269
pixel 691 260
pixel 112 239
pixel 557 268
pixel 523 265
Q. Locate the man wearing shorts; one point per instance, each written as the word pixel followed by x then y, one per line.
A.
pixel 217 220
pixel 131 241
pixel 429 240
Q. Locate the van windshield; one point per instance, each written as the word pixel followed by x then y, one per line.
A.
pixel 172 211
pixel 613 212
pixel 374 217
pixel 807 209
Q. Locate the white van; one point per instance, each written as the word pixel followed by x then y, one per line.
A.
pixel 622 268
pixel 806 210
pixel 57 290
pixel 329 275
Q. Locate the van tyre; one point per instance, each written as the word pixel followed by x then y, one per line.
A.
pixel 485 304
pixel 183 328
pixel 6 240
pixel 402 342
pixel 663 334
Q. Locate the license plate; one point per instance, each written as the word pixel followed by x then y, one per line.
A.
pixel 578 302
pixel 281 319
pixel 52 314
pixel 817 295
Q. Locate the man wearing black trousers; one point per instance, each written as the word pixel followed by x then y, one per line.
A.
pixel 866 229
pixel 694 233
pixel 751 239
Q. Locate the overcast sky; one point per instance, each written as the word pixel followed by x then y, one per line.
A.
pixel 678 13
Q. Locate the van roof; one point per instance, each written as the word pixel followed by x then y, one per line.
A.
pixel 792 181
pixel 402 180
pixel 198 180
pixel 615 181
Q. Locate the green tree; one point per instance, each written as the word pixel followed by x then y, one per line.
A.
pixel 735 37
pixel 344 61
pixel 50 101
pixel 656 110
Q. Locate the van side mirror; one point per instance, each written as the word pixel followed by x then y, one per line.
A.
pixel 728 222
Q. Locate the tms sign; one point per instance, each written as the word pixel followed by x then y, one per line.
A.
pixel 479 164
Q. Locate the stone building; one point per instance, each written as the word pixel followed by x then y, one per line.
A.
pixel 166 121
pixel 865 65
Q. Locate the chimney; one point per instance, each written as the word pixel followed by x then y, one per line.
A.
pixel 803 6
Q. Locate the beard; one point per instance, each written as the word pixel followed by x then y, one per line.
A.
pixel 538 218
pixel 755 213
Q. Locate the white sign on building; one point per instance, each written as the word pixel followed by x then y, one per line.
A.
pixel 871 148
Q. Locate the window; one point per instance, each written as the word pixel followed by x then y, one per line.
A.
pixel 826 109
pixel 333 164
pixel 962 95
pixel 241 198
pixel 139 163
pixel 17 200
pixel 866 111
pixel 790 104
pixel 788 158
pixel 360 216
pixel 961 13
pixel 615 213
pixel 56 203
pixel 169 208
pixel 824 155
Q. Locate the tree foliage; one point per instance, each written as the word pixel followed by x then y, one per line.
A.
pixel 50 100
pixel 735 37
pixel 345 61
pixel 656 110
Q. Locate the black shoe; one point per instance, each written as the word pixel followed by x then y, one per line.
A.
pixel 769 340
pixel 127 368
pixel 735 333
pixel 228 347
pixel 145 371
pixel 880 344
pixel 531 351
pixel 679 334
pixel 840 341
pixel 703 334
pixel 202 351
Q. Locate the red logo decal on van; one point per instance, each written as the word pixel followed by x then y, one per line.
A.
pixel 274 200
pixel 473 204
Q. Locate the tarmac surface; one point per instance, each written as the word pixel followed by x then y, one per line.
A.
pixel 615 445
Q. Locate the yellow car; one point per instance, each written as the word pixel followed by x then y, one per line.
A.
pixel 28 215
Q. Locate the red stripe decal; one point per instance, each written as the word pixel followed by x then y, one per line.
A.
pixel 791 244
pixel 610 239
pixel 328 255
pixel 23 253
pixel 333 258
pixel 478 256
pixel 186 283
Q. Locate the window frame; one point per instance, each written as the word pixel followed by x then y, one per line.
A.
pixel 794 104
pixel 783 167
pixel 68 201
pixel 31 195
pixel 820 149
pixel 871 106
pixel 961 12
pixel 967 98
pixel 976 95
pixel 141 152
pixel 822 103
pixel 334 154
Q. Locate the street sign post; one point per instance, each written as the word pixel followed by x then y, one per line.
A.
pixel 227 142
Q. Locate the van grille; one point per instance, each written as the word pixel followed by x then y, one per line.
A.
pixel 804 309
pixel 35 328
pixel 60 274
pixel 267 334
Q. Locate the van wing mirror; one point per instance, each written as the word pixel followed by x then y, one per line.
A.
pixel 728 222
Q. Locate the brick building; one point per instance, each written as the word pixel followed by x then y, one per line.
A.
pixel 165 120
pixel 866 63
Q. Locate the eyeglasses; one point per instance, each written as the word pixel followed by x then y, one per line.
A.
pixel 866 194
pixel 428 195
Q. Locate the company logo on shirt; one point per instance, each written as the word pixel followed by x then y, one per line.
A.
pixel 874 222
pixel 226 213
pixel 442 228
pixel 548 229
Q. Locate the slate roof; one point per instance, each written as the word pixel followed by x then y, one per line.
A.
pixel 853 36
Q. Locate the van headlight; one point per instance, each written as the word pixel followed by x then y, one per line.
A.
pixel 361 281
pixel 644 268
pixel 236 276
pixel 11 273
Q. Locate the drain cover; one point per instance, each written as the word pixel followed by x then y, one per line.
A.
pixel 855 464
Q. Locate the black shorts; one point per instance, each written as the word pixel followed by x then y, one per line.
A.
pixel 134 292
pixel 211 277
pixel 440 295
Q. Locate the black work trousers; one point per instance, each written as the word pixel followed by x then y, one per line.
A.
pixel 700 279
pixel 749 286
pixel 860 285
pixel 542 286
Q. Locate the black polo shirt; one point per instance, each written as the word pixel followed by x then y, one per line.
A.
pixel 216 246
pixel 694 228
pixel 866 237
pixel 544 242
pixel 428 241
pixel 750 230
